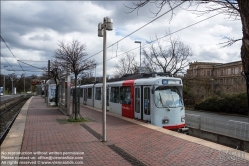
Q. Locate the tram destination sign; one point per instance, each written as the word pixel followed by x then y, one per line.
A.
pixel 164 82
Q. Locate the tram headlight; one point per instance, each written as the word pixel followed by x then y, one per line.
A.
pixel 165 121
pixel 183 119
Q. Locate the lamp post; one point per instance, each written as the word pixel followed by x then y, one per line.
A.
pixel 95 73
pixel 12 79
pixel 4 79
pixel 102 27
pixel 140 50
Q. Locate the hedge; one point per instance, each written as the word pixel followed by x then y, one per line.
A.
pixel 236 104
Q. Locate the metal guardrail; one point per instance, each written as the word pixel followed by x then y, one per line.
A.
pixel 231 128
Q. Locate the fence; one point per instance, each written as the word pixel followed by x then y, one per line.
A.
pixel 231 128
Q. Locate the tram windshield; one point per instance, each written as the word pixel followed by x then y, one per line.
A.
pixel 167 97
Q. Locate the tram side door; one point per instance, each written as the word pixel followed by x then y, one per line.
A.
pixel 146 103
pixel 137 99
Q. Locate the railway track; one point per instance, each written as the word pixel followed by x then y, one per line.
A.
pixel 8 116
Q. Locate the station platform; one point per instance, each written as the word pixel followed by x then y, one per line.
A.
pixel 41 135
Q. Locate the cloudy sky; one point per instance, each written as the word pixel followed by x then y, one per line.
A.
pixel 32 30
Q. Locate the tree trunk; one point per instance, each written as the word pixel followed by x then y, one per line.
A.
pixel 244 14
pixel 75 99
pixel 56 94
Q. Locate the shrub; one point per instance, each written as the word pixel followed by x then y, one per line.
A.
pixel 236 103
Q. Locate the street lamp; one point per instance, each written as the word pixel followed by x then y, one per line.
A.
pixel 4 79
pixel 107 25
pixel 140 50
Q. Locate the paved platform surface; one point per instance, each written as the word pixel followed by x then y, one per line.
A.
pixel 129 142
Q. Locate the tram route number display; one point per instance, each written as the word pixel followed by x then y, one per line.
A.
pixel 41 158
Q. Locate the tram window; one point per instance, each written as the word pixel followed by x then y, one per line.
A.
pixel 147 101
pixel 98 93
pixel 137 101
pixel 81 92
pixel 89 94
pixel 85 94
pixel 125 95
pixel 114 96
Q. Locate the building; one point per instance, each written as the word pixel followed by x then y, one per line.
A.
pixel 218 77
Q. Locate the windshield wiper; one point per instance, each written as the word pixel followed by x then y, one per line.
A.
pixel 161 99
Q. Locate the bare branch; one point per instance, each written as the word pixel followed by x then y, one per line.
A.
pixel 168 59
pixel 230 41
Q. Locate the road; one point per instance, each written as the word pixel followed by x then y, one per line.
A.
pixel 219 116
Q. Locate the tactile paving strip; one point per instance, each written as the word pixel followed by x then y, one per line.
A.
pixel 94 133
pixel 115 148
pixel 126 155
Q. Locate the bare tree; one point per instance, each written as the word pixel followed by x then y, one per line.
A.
pixel 73 56
pixel 234 9
pixel 126 65
pixel 149 65
pixel 172 58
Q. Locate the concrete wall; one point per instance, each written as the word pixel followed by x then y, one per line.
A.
pixel 221 139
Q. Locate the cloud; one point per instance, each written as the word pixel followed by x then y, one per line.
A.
pixel 44 37
pixel 34 29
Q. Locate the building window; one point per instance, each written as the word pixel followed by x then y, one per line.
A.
pixel 236 70
pixel 228 71
pixel 221 81
pixel 114 98
pixel 235 80
pixel 98 93
pixel 228 81
pixel 221 72
pixel 89 94
pixel 208 73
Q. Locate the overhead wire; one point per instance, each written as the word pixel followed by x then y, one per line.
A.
pixel 123 38
pixel 31 65
pixel 139 28
pixel 163 36
pixel 11 52
pixel 33 61
pixel 26 70
pixel 6 60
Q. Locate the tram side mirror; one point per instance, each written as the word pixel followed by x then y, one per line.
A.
pixel 153 90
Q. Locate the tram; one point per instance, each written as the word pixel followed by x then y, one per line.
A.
pixel 155 98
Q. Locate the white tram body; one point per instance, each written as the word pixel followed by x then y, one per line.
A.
pixel 157 100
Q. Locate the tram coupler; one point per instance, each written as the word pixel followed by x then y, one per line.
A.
pixel 183 130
